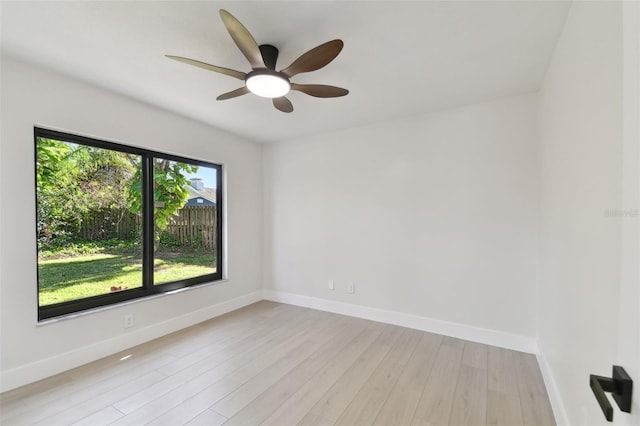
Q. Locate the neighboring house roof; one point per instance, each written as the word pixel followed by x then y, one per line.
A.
pixel 202 197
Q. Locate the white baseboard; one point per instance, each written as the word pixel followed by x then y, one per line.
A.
pixel 44 368
pixel 467 332
pixel 552 390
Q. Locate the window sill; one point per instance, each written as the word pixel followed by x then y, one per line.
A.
pixel 48 321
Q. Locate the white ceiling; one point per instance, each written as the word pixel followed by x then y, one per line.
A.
pixel 400 58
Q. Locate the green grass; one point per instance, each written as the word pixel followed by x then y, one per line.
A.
pixel 88 275
pixel 172 266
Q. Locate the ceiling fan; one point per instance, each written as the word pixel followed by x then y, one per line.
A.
pixel 263 79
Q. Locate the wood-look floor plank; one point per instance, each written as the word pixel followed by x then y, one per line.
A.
pixel 366 404
pixel 25 398
pixel 80 391
pixel 105 417
pixel 191 407
pixel 183 409
pixel 100 376
pixel 277 364
pixel 277 367
pixel 96 378
pixel 331 405
pixel 71 414
pixel 209 367
pixel 401 404
pixel 267 402
pixel 528 375
pixel 362 355
pixel 534 402
pixel 22 394
pixel 83 388
pixel 470 399
pixel 502 371
pixel 503 409
pixel 247 330
pixel 435 404
pixel 214 374
pixel 220 332
pixel 453 342
pixel 503 397
pixel 208 418
pixel 537 411
pixel 180 342
pixel 220 359
pixel 303 337
pixel 475 355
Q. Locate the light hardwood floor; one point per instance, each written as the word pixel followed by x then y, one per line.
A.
pixel 277 364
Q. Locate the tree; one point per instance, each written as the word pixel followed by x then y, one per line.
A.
pixel 169 193
pixel 77 181
pixel 50 155
pixel 51 158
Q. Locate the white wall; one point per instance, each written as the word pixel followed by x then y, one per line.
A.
pixel 629 309
pixel 581 179
pixel 481 217
pixel 35 97
pixel 433 216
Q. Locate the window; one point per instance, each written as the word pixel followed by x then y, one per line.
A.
pixel 116 223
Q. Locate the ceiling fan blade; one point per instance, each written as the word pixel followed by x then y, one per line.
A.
pixel 283 104
pixel 315 58
pixel 233 94
pixel 233 73
pixel 243 39
pixel 320 90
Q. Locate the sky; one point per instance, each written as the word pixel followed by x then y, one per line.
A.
pixel 208 175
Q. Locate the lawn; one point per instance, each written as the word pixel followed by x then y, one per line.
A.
pixel 88 275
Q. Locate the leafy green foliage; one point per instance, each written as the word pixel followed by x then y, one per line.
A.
pixel 50 157
pixel 169 240
pixel 83 192
pixel 169 193
pixel 75 181
pixel 104 178
pixel 78 248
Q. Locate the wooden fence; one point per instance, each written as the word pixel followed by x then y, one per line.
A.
pixel 110 223
pixel 193 226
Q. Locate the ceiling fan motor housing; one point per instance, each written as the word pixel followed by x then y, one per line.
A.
pixel 269 55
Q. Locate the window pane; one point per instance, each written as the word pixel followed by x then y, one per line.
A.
pixel 114 220
pixel 88 221
pixel 185 215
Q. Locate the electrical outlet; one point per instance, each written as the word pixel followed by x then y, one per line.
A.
pixel 350 288
pixel 128 321
pixel 331 285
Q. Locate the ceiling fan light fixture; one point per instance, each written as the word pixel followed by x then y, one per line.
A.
pixel 268 83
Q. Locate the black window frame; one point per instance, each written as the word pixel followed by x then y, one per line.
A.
pixel 148 287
